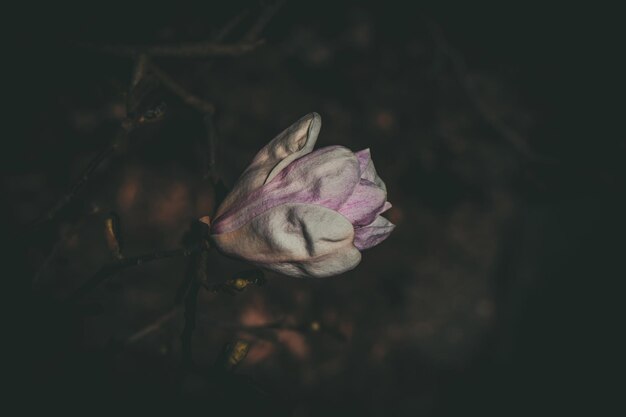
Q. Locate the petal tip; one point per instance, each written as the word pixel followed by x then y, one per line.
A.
pixel 386 207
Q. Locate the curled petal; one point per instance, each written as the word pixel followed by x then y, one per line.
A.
pixel 386 207
pixel 364 156
pixel 372 234
pixel 365 203
pixel 292 143
pixel 368 172
pixel 326 177
pixel 300 240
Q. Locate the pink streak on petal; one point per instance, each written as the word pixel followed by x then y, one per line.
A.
pixel 373 234
pixel 365 203
pixel 326 177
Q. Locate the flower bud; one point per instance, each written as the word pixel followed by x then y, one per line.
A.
pixel 304 213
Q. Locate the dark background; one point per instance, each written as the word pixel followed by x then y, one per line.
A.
pixel 496 130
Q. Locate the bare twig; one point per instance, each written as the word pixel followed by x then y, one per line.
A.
pixel 127 126
pixel 138 71
pixel 153 327
pixel 110 269
pixel 226 30
pixel 103 155
pixel 191 302
pixel 196 276
pixel 183 50
pixel 188 98
pixel 186 282
pixel 229 26
pixel 262 21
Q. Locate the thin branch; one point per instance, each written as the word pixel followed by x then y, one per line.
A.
pixel 127 126
pixel 230 26
pixel 191 303
pixel 197 265
pixel 153 327
pixel 104 154
pixel 185 284
pixel 183 50
pixel 139 71
pixel 112 268
pixel 262 21
pixel 188 98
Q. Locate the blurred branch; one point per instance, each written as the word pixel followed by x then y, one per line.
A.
pixel 188 278
pixel 104 154
pixel 264 18
pixel 195 277
pixel 128 125
pixel 230 26
pixel 112 268
pixel 191 303
pixel 183 50
pixel 138 71
pixel 188 98
pixel 153 327
pixel 197 266
pixel 459 66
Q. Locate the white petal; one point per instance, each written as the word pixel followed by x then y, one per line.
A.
pixel 292 143
pixel 300 240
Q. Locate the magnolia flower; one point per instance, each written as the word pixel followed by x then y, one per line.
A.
pixel 304 213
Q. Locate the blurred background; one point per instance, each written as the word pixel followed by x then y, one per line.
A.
pixel 491 294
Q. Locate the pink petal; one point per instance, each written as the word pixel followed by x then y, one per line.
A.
pixel 371 235
pixel 368 172
pixel 365 203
